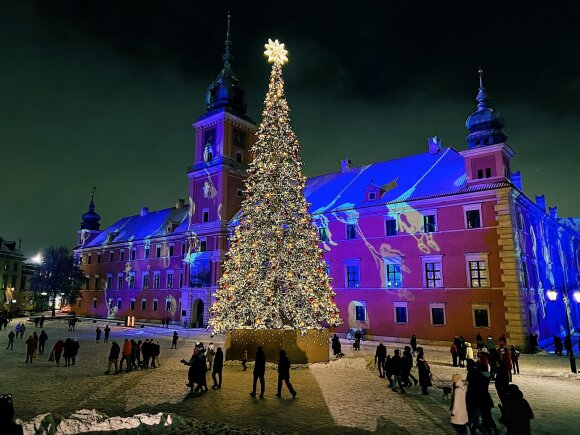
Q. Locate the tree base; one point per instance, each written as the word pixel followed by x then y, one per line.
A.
pixel 310 348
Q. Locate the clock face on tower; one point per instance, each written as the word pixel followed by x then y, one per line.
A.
pixel 239 138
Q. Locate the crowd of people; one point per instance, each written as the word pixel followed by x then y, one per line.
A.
pixel 136 355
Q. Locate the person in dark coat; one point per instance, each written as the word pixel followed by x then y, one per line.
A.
pixel 67 352
pixel 57 350
pixel 36 322
pixel 30 343
pixel 146 349
pixel 380 357
pixel 388 370
pixel 462 350
pixel 133 356
pixel 7 424
pixel 407 366
pixel 558 345
pixel 479 341
pixel 568 345
pixel 75 351
pixel 454 354
pixel 42 341
pixel 515 354
pixel 174 340
pixel 114 358
pixel 357 337
pixel 397 368
pixel 192 375
pixel 413 343
pixel 107 333
pixel 284 374
pixel 259 372
pixel 424 372
pixel 518 413
pixel 138 354
pixel 42 319
pixel 336 346
pixel 218 365
pixel 98 333
pixel 478 399
pixel 11 336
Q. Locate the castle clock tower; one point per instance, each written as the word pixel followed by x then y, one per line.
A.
pixel 224 136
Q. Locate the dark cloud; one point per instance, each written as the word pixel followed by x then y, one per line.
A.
pixel 104 93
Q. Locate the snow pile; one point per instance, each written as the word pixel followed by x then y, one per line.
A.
pixel 359 363
pixel 86 420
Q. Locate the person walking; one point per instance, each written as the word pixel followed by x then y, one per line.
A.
pixel 259 372
pixel 42 319
pixel 218 365
pixel 503 373
pixel 57 350
pixel 459 417
pixel 36 322
pixel 424 372
pixel 407 366
pixel 336 346
pixel 11 336
pixel 284 374
pixel 462 350
pixel 146 349
pixel 515 354
pixel 74 351
pixel 397 368
pixel 380 357
pixel 210 354
pixel 126 356
pixel 357 338
pixel 29 349
pixel 114 358
pixel 478 399
pixel 479 341
pixel 98 333
pixel 133 357
pixel 42 341
pixel 107 334
pixel 518 413
pixel 193 374
pixel 468 351
pixel 23 328
pixel 174 340
pixel 67 354
pixel 17 329
pixel 244 359
pixel 413 343
pixel 454 354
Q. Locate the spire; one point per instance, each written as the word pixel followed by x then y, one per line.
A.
pixel 484 125
pixel 91 218
pixel 226 92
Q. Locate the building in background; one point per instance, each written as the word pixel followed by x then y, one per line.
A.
pixel 437 244
pixel 15 276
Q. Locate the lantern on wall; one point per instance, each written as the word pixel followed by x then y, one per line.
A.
pixel 552 295
pixel 576 296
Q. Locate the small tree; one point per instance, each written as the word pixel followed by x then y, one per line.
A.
pixel 58 274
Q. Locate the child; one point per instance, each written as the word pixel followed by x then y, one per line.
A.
pixel 244 358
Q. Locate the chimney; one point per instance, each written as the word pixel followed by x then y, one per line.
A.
pixel 179 203
pixel 516 179
pixel 554 212
pixel 541 202
pixel 346 165
pixel 434 144
pixel 144 211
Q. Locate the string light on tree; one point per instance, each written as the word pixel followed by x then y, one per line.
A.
pixel 274 274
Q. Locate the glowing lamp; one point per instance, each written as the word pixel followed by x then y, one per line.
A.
pixel 552 295
pixel 576 296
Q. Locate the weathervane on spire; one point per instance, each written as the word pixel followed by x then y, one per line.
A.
pixel 480 72
pixel 276 52
pixel 228 54
pixel 481 95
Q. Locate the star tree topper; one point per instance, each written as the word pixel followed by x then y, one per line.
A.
pixel 276 52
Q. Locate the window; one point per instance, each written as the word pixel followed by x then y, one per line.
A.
pixel 205 215
pixel 525 279
pixel 353 275
pixel 433 274
pixel 487 172
pixel 169 280
pixel 477 274
pixel 480 174
pixel 145 285
pixel 111 256
pixel 472 219
pixel 180 278
pixel 122 255
pixel 147 249
pixel 87 282
pixel 89 258
pixel 109 282
pixel 429 223
pixel 120 281
pixel 350 231
pixel 94 302
pixel 168 305
pixel 437 313
pixel 119 304
pixel 158 251
pixel 202 245
pixel 393 276
pixel 98 257
pixel 322 234
pixel 372 196
pixel 391 227
pixel 132 304
pixel 156 277
pixel 183 249
pixel 143 304
pixel 155 304
pixel 132 280
pixel 239 192
pixel 400 311
pixel 171 250
pixel 133 253
pixel 520 220
pixel 238 157
pixel 97 282
pixel 480 315
pixel 360 311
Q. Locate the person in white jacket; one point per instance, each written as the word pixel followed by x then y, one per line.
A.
pixel 468 351
pixel 459 418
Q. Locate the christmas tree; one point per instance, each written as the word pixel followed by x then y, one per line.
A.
pixel 274 274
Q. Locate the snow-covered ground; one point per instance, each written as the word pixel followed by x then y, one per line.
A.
pixel 344 395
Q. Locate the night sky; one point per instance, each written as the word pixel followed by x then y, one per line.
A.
pixel 104 93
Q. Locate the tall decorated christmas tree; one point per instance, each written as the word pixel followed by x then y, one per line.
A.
pixel 274 275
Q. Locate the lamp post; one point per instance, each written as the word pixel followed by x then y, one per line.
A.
pixel 553 296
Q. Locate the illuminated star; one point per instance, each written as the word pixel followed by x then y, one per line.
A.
pixel 276 52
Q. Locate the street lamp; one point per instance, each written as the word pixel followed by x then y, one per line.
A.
pixel 553 295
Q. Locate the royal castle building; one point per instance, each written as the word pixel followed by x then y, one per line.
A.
pixel 437 244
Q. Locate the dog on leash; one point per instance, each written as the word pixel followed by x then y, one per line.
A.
pixel 446 392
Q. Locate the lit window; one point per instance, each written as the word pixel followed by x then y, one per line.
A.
pixel 168 305
pixel 353 276
pixel 169 280
pixel 322 234
pixel 145 281
pixel 156 278
pixel 473 219
pixel 400 311
pixel 478 274
pixel 437 314
pixel 429 223
pixel 360 311
pixel 350 231
pixel 393 276
pixel 433 277
pixel 391 227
